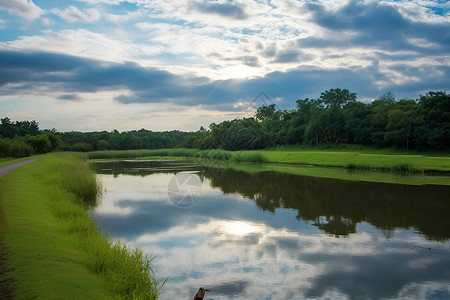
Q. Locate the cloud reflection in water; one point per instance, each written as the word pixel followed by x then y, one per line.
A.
pixel 228 244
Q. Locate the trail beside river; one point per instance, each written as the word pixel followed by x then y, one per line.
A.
pixel 7 169
pixel 6 289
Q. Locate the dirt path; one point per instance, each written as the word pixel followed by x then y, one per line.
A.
pixel 6 283
pixel 7 169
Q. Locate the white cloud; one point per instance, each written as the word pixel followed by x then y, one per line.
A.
pixel 72 14
pixel 84 43
pixel 48 21
pixel 132 15
pixel 254 38
pixel 22 8
pixel 111 2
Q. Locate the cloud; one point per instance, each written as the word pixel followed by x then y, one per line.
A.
pixel 22 8
pixel 48 21
pixel 72 14
pixel 24 72
pixel 223 9
pixel 290 56
pixel 69 97
pixel 248 60
pixel 375 24
pixel 111 2
pixel 81 42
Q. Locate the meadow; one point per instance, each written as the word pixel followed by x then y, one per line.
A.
pixel 53 248
pixel 346 158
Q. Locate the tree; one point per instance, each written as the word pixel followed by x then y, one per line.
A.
pixel 265 113
pixel 337 97
pixel 434 128
pixel 40 143
pixel 398 129
pixel 378 118
pixel 103 145
pixel 356 123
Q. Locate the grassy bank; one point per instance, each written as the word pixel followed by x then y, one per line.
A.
pixel 410 163
pixel 353 159
pixel 334 173
pixel 54 249
pixel 119 154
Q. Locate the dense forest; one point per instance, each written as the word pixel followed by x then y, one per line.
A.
pixel 335 118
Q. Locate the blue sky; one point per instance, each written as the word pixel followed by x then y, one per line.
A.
pixel 162 65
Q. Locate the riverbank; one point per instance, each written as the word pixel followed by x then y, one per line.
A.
pixel 52 248
pixel 352 159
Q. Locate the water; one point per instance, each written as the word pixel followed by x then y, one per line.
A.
pixel 270 235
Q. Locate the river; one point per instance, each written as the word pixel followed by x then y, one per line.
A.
pixel 270 235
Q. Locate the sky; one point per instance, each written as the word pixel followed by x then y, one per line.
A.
pixel 86 65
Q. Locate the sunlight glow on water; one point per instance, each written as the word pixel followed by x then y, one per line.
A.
pixel 236 245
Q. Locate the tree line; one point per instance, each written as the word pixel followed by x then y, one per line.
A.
pixel 334 118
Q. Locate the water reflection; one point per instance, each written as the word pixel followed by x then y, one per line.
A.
pixel 337 206
pixel 260 236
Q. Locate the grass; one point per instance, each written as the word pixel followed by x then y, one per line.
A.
pixel 351 158
pixel 336 173
pixel 412 163
pixel 117 154
pixel 55 250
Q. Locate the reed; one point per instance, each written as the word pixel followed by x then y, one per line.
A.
pixel 406 169
pixel 248 156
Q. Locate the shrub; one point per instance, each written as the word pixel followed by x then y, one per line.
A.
pixel 20 149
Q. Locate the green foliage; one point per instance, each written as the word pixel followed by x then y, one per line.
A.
pixel 337 97
pixel 333 119
pixel 51 205
pixel 239 134
pixel 10 129
pixel 81 147
pixel 337 118
pixel 19 148
pixel 265 113
pixel 40 143
pixel 103 145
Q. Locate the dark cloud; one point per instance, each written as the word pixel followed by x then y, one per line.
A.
pixel 291 56
pixel 248 60
pixel 22 72
pixel 228 9
pixel 69 97
pixel 374 18
pixel 376 25
pixel 269 50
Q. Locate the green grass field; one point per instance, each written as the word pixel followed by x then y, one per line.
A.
pixel 54 248
pixel 359 159
pixel 335 173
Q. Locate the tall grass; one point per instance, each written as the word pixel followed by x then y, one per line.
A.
pixel 127 269
pixel 117 154
pixel 238 156
pixel 65 182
